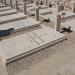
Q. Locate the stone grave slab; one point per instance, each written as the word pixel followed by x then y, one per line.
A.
pixel 5 8
pixel 52 16
pixel 20 25
pixel 3 13
pixel 21 45
pixel 69 23
pixel 12 17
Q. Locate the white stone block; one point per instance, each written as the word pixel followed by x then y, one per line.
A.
pixel 21 45
pixel 2 13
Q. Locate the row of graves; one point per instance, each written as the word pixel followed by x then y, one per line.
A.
pixel 51 12
pixel 37 37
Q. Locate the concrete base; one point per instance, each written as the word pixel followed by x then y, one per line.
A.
pixel 21 45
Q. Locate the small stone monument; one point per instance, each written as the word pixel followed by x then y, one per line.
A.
pixel 5 2
pixel 73 6
pixel 11 3
pixel 16 4
pixel 57 23
pixel 36 3
pixel 46 2
pixel 37 13
pixel 57 20
pixel 24 8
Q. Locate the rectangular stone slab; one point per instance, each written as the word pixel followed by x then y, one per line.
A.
pixel 3 13
pixel 21 24
pixel 16 46
pixel 68 14
pixel 12 17
pixel 52 17
pixel 41 11
pixel 48 16
pixel 44 35
pixel 5 8
pixel 69 23
pixel 2 5
pixel 23 44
